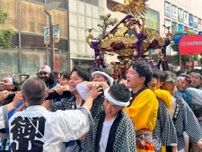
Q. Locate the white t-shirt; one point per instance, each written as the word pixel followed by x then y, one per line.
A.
pixel 38 129
pixel 3 117
pixel 105 135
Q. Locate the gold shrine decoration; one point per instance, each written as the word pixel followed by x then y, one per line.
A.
pixel 135 7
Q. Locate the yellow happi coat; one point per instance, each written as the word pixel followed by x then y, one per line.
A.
pixel 165 96
pixel 143 112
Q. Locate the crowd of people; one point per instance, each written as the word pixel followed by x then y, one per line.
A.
pixel 146 110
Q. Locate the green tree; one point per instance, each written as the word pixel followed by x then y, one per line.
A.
pixel 106 22
pixel 3 16
pixel 6 34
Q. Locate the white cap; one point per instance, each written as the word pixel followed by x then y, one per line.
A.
pixel 9 79
pixel 110 79
pixel 44 68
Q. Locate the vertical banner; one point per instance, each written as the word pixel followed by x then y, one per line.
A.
pixel 56 33
pixel 174 27
pixel 199 24
pixel 186 18
pixel 174 13
pixel 167 9
pixel 46 35
pixel 191 20
pixel 180 15
pixel 195 22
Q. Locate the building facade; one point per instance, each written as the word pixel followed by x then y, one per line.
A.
pixel 180 16
pixel 75 17
pixel 28 19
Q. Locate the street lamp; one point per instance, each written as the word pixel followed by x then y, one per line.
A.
pixel 47 8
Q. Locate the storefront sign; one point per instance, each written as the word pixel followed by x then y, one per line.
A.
pixel 190 45
pixel 177 37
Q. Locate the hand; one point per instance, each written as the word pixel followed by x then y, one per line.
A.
pixel 94 92
pixel 58 89
pixel 199 144
pixel 3 95
pixel 104 85
pixel 18 97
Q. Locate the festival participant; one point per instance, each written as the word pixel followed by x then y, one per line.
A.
pixel 113 130
pixel 7 108
pixel 186 124
pixel 164 134
pixel 44 73
pixel 37 129
pixel 182 83
pixel 196 78
pixel 144 105
pixel 100 78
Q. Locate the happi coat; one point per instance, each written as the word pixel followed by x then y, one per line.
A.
pixel 37 129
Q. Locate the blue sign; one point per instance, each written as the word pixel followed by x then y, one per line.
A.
pixel 177 37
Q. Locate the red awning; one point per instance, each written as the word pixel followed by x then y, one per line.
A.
pixel 190 45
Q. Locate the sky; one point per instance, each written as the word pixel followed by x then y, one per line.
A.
pixel 196 7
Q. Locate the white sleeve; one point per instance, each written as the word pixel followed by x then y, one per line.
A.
pixel 74 123
pixel 3 117
pixel 196 95
pixel 82 90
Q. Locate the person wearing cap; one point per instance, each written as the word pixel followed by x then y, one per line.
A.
pixel 44 73
pixel 186 124
pixel 182 83
pixel 99 79
pixel 100 76
pixel 113 130
pixel 144 105
pixel 196 78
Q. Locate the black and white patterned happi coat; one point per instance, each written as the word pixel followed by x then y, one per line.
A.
pixel 164 133
pixel 124 135
pixel 185 120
